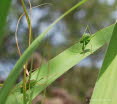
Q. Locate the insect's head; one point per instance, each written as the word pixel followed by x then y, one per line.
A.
pixel 87 34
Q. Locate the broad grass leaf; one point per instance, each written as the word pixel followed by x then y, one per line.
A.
pixel 106 85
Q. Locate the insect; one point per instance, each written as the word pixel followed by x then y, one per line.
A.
pixel 85 40
pixel 30 84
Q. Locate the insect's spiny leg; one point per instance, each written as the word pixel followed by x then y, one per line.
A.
pixel 83 46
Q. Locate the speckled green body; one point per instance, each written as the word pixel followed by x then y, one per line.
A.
pixel 85 40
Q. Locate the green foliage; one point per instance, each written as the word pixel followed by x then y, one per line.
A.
pixel 63 62
pixel 60 64
pixel 17 68
pixel 4 7
pixel 106 85
pixel 73 25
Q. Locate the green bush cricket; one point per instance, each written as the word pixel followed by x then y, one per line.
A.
pixel 85 40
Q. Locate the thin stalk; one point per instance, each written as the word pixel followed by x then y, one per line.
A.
pixel 17 26
pixel 17 43
pixel 30 39
pixel 28 21
pixel 24 85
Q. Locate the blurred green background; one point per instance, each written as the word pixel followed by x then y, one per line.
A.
pixel 80 80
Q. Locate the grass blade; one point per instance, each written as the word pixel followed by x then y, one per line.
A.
pixel 4 8
pixel 106 85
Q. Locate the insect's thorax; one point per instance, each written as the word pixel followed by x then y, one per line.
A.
pixel 85 38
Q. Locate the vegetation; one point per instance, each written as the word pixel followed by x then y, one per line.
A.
pixel 37 81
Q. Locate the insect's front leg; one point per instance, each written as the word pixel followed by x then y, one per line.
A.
pixel 83 47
